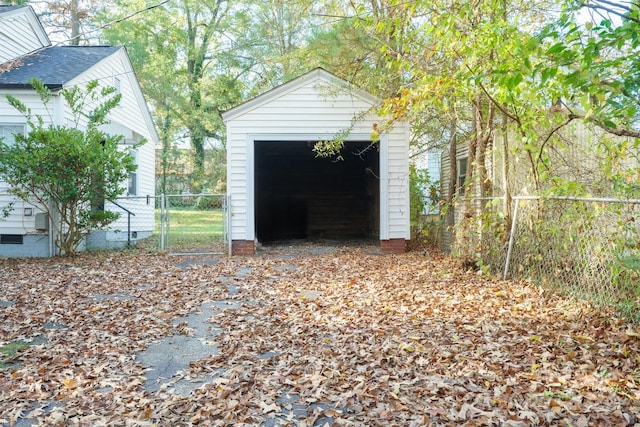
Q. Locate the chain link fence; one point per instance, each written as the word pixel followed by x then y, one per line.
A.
pixel 588 248
pixel 175 224
pixel 194 224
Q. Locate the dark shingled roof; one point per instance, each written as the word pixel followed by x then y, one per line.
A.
pixel 55 65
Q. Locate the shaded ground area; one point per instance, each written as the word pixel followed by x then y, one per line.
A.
pixel 303 335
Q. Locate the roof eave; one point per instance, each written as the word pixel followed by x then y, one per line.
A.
pixel 18 86
pixel 34 21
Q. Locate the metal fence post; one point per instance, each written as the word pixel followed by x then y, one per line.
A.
pixel 162 207
pixel 512 235
pixel 228 220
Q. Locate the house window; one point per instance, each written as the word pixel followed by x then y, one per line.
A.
pixel 462 174
pixel 132 187
pixel 133 184
pixel 8 131
pixel 116 84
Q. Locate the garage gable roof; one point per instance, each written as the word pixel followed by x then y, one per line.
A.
pixel 318 74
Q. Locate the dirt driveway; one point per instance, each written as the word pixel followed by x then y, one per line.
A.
pixel 312 335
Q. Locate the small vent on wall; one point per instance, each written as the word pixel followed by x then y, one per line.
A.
pixel 11 239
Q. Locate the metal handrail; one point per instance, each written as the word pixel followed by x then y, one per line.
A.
pixel 129 213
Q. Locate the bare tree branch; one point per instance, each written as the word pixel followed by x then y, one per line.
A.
pixel 569 119
pixel 613 8
pixel 619 132
pixel 623 132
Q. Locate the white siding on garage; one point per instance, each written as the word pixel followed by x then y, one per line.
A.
pixel 20 33
pixel 314 107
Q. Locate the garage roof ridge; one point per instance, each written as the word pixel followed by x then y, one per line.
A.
pixel 318 73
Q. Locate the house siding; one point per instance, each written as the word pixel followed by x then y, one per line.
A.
pixel 20 33
pixel 447 235
pixel 129 119
pixel 313 110
pixel 17 222
pixel 8 114
pixel 34 246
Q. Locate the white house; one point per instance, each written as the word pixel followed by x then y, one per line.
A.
pixel 26 52
pixel 20 33
pixel 280 190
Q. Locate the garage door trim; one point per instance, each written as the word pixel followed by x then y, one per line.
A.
pixel 294 138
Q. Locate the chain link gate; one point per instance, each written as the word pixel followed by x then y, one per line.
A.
pixel 194 224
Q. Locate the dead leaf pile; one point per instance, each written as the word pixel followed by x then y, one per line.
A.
pixel 343 337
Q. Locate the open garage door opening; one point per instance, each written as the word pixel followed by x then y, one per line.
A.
pixel 301 196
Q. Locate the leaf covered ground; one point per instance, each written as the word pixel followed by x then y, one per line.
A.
pixel 345 336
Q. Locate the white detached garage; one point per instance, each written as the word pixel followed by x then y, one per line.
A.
pixel 279 189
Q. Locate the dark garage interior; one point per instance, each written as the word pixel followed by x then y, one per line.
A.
pixel 301 196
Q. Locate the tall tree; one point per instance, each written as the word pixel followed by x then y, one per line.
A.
pixel 273 38
pixel 69 21
pixel 186 69
pixel 204 23
pixel 456 65
pixel 510 65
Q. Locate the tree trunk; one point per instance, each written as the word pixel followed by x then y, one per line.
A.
pixel 450 217
pixel 165 127
pixel 74 9
pixel 506 173
pixel 197 143
pixel 472 151
pixel 484 142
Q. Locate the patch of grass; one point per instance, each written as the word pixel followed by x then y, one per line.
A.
pixel 196 222
pixel 190 230
pixel 195 228
pixel 9 351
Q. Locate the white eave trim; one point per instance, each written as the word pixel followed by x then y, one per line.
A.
pixel 251 139
pixel 35 23
pixel 122 54
pixel 142 102
pixel 38 28
pixel 318 74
